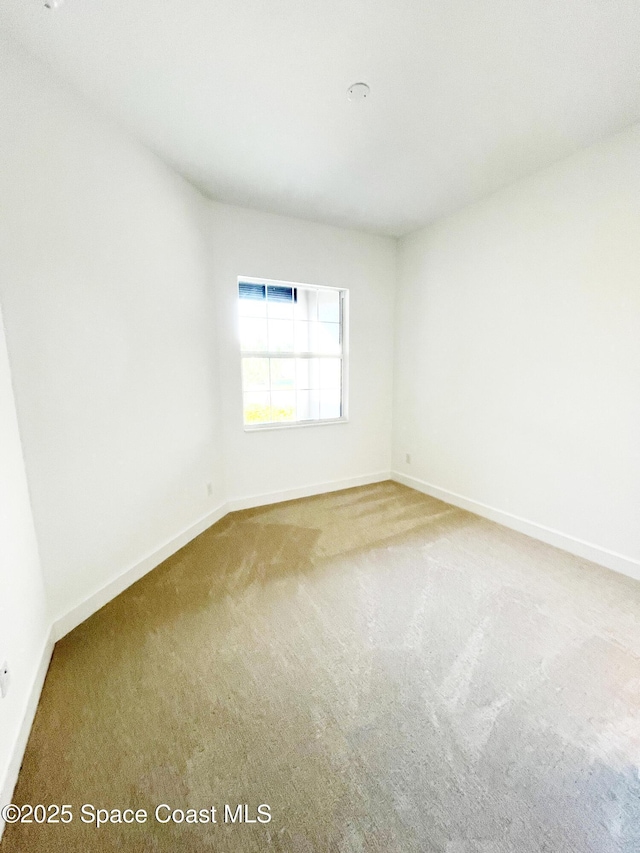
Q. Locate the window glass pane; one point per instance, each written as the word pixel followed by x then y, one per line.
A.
pixel 329 306
pixel 301 338
pixel 306 306
pixel 252 308
pixel 253 334
pixel 308 405
pixel 280 335
pixel 306 336
pixel 251 290
pixel 328 338
pixel 282 305
pixel 256 408
pixel 329 404
pixel 304 323
pixel 307 373
pixel 255 374
pixel 283 373
pixel 280 293
pixel 283 405
pixel 330 373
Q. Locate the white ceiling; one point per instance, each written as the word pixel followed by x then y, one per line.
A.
pixel 247 98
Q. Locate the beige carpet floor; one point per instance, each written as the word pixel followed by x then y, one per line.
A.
pixel 384 671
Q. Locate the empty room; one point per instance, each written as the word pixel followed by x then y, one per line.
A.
pixel 320 426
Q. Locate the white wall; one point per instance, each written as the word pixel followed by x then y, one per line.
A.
pixel 118 282
pixel 111 335
pixel 23 617
pixel 249 243
pixel 518 350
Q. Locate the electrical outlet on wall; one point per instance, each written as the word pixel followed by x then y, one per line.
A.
pixel 407 458
pixel 209 489
pixel 4 679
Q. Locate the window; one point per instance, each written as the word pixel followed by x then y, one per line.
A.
pixel 293 352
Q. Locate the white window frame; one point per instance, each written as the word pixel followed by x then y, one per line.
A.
pixel 344 355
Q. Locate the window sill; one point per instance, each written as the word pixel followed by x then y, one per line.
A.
pixel 294 424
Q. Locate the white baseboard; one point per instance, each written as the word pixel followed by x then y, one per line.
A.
pixel 610 559
pixel 306 491
pixel 587 550
pixel 105 594
pixel 96 600
pixel 9 782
